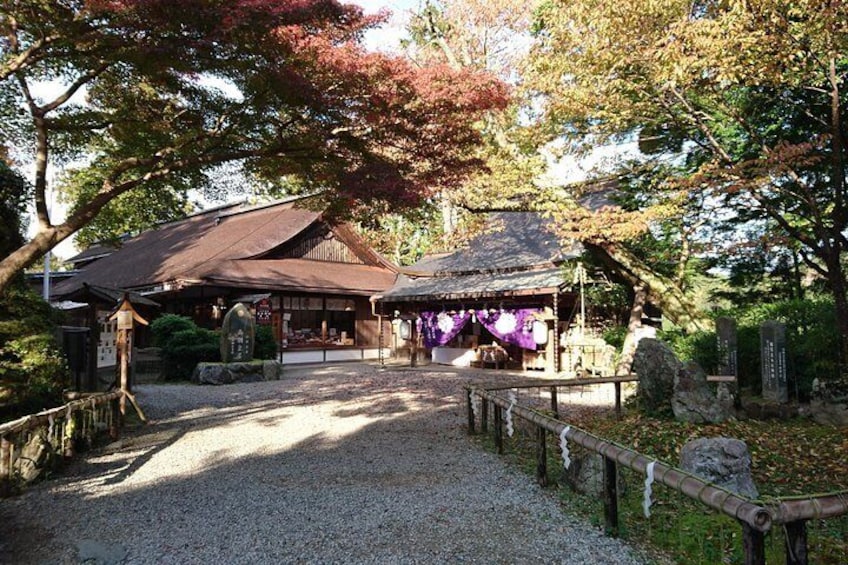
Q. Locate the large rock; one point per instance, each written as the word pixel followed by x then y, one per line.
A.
pixel 226 373
pixel 36 456
pixel 694 401
pixel 657 368
pixel 829 403
pixel 722 461
pixel 586 474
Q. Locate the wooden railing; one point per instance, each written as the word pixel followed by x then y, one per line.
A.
pixel 62 429
pixel 756 517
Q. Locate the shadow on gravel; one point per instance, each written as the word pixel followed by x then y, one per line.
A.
pixel 390 479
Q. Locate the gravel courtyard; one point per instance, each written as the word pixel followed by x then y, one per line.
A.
pixel 344 464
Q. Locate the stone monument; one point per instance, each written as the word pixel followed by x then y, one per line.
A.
pixel 238 334
pixel 773 361
pixel 727 346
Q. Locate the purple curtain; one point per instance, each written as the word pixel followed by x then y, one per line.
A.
pixel 511 326
pixel 438 328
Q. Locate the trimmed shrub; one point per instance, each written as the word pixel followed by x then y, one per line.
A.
pixel 164 327
pixel 265 346
pixel 184 345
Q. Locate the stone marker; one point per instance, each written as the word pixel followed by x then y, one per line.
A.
pixel 657 368
pixel 727 346
pixel 720 460
pixel 773 361
pixel 693 400
pixel 237 335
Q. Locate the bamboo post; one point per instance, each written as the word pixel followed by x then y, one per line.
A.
pixel 611 496
pixel 499 429
pixel 70 431
pixel 484 416
pixel 469 402
pixel 796 543
pixel 541 456
pixel 5 466
pixel 554 402
pixel 753 545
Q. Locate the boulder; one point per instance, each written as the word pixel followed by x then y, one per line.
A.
pixel 694 401
pixel 829 403
pixel 722 461
pixel 35 456
pixel 657 368
pixel 226 373
pixel 586 474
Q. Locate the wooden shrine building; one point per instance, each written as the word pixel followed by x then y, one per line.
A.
pixel 309 279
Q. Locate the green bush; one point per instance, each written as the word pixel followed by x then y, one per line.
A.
pixel 265 346
pixel 33 370
pixel 615 336
pixel 164 327
pixel 185 348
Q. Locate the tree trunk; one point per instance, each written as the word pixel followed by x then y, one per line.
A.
pixel 628 350
pixel 675 304
pixel 838 287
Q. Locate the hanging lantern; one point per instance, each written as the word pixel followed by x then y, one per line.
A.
pixel 540 332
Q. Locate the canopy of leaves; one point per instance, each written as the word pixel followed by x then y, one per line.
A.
pixel 152 93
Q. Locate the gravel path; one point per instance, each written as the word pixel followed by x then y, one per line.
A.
pixel 347 464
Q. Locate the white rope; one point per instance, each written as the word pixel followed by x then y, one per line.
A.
pixel 475 404
pixel 512 400
pixel 563 444
pixel 649 479
pixel 50 428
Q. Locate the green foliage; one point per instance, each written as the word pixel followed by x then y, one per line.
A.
pixel 265 346
pixel 615 336
pixel 33 370
pixel 812 342
pixel 164 327
pixel 184 345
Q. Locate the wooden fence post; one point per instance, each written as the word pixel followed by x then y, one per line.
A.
pixel 470 407
pixel 541 456
pixel 796 543
pixel 611 496
pixel 5 466
pixel 484 416
pixel 753 545
pixel 618 400
pixel 554 402
pixel 114 419
pixel 499 429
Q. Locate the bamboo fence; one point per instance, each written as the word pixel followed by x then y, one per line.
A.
pixel 756 517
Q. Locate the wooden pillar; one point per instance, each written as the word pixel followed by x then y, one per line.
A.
pixel 413 344
pixel 114 419
pixel 611 497
pixel 557 361
pixel 123 368
pixel 796 543
pixel 753 545
pixel 499 428
pixel 470 404
pixel 554 402
pixel 541 456
pixel 484 416
pixel 93 342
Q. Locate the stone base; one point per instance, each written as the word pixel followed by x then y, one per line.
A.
pixel 226 373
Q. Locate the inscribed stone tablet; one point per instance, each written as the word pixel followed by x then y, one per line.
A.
pixel 237 335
